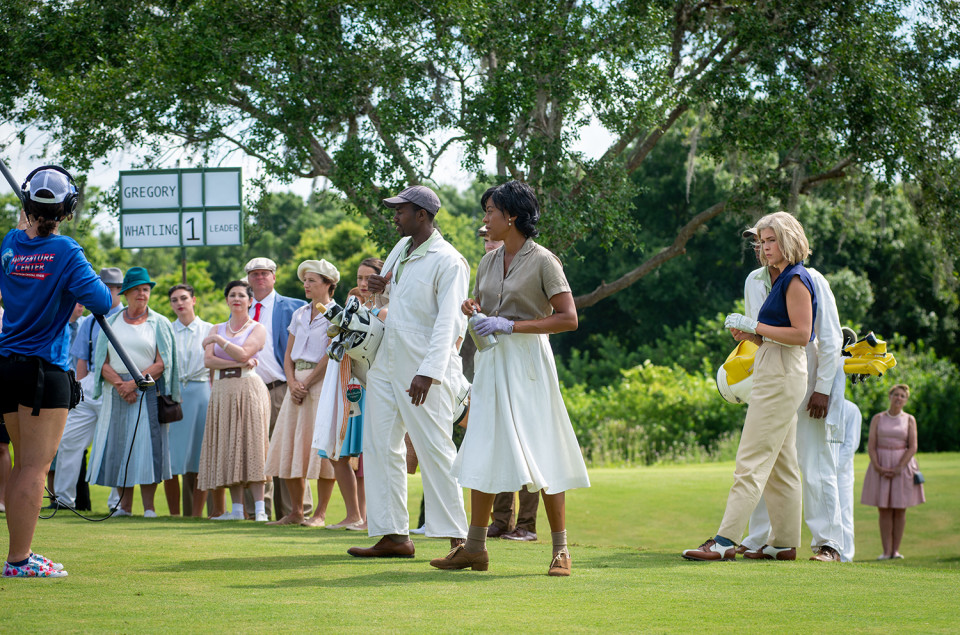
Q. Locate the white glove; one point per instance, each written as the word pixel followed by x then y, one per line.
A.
pixel 741 323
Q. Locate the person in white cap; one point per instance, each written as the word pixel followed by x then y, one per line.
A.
pixel 411 386
pixel 274 311
pixel 82 420
pixel 821 408
pixel 291 456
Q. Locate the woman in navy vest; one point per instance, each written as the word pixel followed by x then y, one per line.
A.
pixel 767 456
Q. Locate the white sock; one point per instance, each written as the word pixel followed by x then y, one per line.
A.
pixel 259 507
pixel 238 509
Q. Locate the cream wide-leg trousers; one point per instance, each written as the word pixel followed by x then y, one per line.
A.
pixel 767 456
pixel 388 415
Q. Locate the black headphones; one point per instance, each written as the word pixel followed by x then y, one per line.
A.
pixel 69 203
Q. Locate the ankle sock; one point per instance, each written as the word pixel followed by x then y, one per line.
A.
pixel 237 509
pixel 723 542
pixel 259 507
pixel 476 539
pixel 559 540
pixel 19 564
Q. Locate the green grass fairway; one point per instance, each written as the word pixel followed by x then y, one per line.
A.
pixel 136 575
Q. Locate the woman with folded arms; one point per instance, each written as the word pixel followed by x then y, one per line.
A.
pixel 236 435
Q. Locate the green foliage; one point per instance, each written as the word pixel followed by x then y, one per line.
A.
pixel 654 414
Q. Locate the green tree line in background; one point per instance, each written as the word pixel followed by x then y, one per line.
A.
pixel 639 373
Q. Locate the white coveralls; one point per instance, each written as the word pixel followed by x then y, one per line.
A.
pixel 821 504
pixel 77 437
pixel 852 420
pixel 420 338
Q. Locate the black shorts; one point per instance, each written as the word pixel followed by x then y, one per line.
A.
pixel 4 435
pixel 18 384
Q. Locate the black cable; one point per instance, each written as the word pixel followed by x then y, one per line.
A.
pixel 53 497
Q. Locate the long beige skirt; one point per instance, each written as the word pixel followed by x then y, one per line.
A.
pixel 236 435
pixel 290 454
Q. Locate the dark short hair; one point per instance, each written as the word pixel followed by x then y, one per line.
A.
pixel 185 287
pixel 374 263
pixel 515 198
pixel 486 197
pixel 238 283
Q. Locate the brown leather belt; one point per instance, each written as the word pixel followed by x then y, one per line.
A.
pixel 274 384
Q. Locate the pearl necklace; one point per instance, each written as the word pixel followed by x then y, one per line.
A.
pixel 242 326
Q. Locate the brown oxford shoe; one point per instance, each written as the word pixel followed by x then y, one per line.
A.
pixel 386 548
pixel 460 558
pixel 742 549
pixel 826 554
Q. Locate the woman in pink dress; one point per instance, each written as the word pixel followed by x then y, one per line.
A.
pixel 889 483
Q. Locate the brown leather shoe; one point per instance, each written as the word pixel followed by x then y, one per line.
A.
pixel 710 551
pixel 520 534
pixel 826 554
pixel 742 549
pixel 386 548
pixel 460 558
pixel 766 552
pixel 560 565
pixel 495 531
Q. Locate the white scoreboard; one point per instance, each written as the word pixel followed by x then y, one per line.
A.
pixel 181 208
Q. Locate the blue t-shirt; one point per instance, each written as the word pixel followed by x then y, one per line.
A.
pixel 86 341
pixel 42 280
pixel 774 309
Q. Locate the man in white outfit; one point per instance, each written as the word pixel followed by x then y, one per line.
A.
pixel 82 420
pixel 819 410
pixel 411 385
pixel 852 420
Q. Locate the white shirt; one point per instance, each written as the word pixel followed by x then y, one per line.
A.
pixel 267 366
pixel 826 325
pixel 189 350
pixel 138 340
pixel 310 337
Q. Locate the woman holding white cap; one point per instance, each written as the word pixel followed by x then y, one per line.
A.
pixel 236 435
pixel 291 456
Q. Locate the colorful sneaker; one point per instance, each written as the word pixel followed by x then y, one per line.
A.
pixel 46 562
pixel 709 551
pixel 32 569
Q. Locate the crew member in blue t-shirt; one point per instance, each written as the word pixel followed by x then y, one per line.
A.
pixel 42 277
pixel 767 456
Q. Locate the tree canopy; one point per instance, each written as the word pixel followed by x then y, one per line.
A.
pixel 371 94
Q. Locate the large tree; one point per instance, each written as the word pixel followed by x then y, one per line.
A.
pixel 371 94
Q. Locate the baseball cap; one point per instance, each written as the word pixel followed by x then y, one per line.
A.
pixel 319 267
pixel 48 186
pixel 419 195
pixel 260 263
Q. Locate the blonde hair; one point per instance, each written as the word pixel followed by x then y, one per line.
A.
pixel 790 236
pixel 905 388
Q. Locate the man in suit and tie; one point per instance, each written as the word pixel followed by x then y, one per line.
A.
pixel 273 311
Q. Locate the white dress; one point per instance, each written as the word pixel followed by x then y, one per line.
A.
pixel 519 432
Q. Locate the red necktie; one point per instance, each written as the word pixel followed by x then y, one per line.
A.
pixel 256 312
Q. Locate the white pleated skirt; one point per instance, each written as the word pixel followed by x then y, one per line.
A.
pixel 518 433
